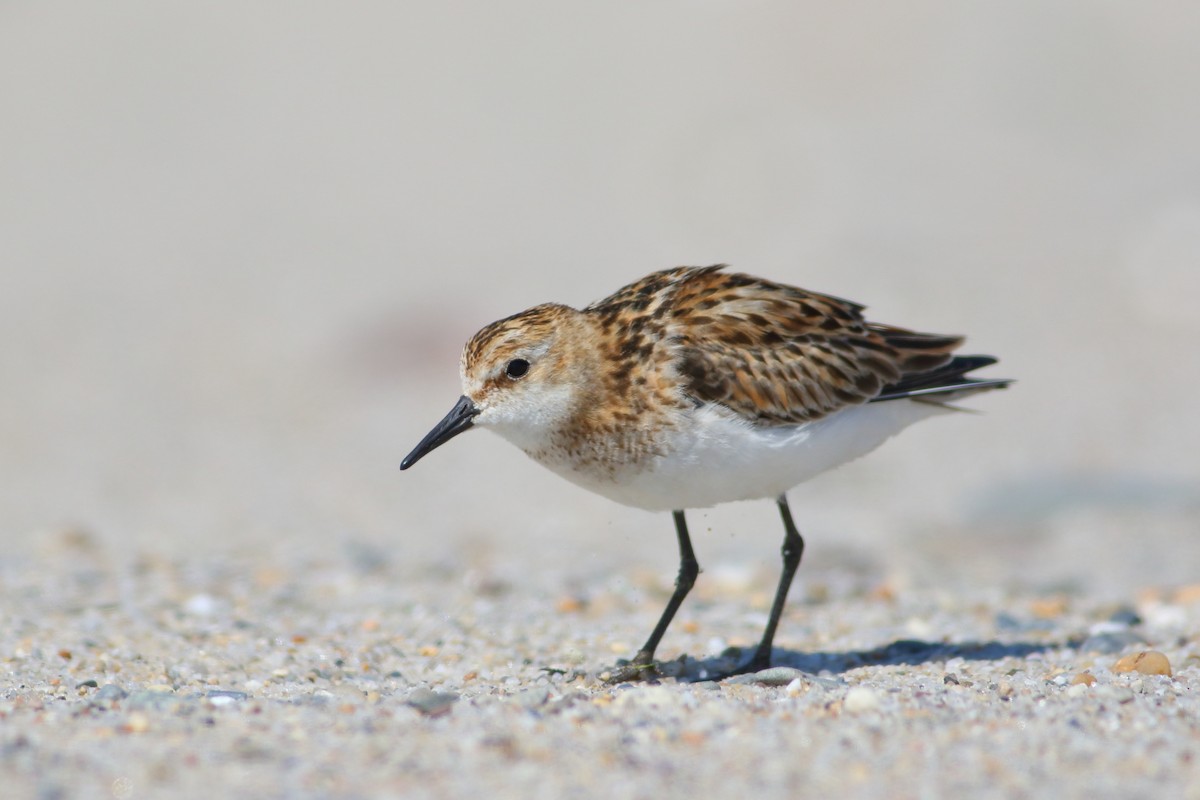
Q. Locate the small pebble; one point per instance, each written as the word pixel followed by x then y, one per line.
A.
pixel 110 691
pixel 1147 662
pixel 772 676
pixel 860 699
pixel 202 605
pixel 223 697
pixel 569 604
pixel 918 628
pixel 152 699
pixel 532 697
pixel 1165 616
pixel 431 703
pixel 1084 679
pixel 137 723
pixel 1048 607
pixel 1125 616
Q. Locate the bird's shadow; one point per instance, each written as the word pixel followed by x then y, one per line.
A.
pixel 906 652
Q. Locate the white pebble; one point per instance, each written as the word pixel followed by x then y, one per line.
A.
pixel 1165 616
pixel 860 698
pixel 202 605
pixel 918 628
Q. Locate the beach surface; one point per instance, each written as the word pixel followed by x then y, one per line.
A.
pixel 243 248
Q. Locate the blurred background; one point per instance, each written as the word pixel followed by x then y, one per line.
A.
pixel 242 245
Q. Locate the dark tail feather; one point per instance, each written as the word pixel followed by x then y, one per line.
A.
pixel 948 379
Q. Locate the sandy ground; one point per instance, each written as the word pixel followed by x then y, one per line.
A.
pixel 239 253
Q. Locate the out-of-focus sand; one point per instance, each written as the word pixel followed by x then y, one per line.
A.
pixel 241 247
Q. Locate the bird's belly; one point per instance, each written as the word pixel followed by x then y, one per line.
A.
pixel 717 458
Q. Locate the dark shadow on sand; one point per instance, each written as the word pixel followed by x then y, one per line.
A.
pixel 908 652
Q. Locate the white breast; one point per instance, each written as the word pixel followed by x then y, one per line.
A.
pixel 716 457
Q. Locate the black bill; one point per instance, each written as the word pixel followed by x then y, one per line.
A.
pixel 461 417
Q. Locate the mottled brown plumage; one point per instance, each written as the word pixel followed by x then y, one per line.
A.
pixel 774 354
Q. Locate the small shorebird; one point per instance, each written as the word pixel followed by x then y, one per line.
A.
pixel 693 387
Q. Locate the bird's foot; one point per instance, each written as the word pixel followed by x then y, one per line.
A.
pixel 642 668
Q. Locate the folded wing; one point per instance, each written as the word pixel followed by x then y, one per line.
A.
pixel 779 355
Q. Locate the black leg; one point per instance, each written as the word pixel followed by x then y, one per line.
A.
pixel 793 549
pixel 643 663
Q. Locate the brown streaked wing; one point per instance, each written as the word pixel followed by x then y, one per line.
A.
pixel 779 355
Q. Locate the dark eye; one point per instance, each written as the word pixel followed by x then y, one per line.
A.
pixel 516 368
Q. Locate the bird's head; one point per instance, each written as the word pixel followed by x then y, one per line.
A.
pixel 524 376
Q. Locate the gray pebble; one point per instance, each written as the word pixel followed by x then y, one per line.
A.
pixel 824 681
pixel 110 691
pixel 156 700
pixel 532 697
pixel 427 701
pixel 772 676
pixel 1125 616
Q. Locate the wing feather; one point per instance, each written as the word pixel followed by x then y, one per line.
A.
pixel 780 355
